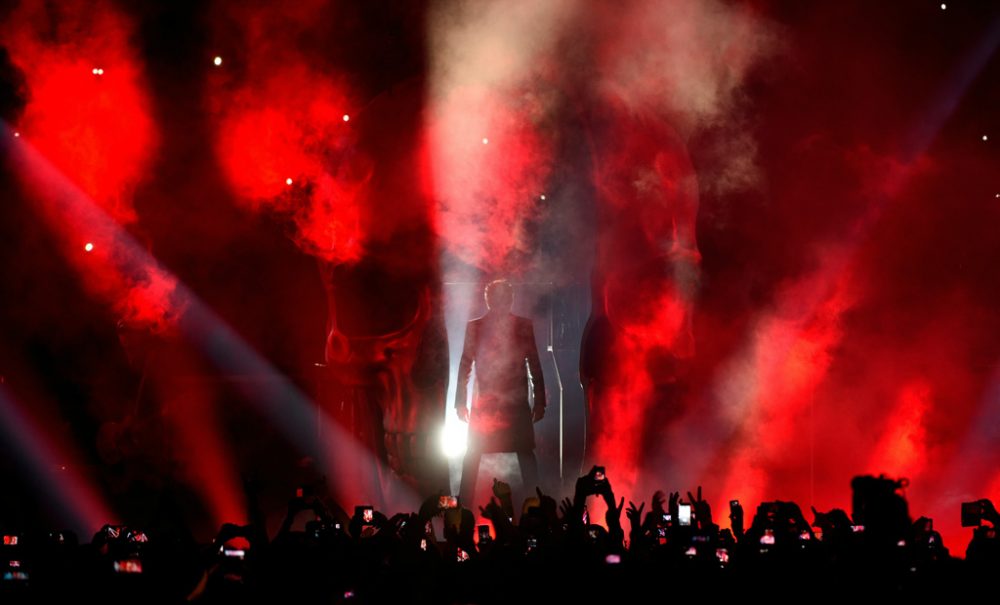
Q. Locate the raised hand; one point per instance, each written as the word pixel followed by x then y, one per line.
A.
pixel 659 499
pixel 634 515
pixel 566 508
pixel 501 489
pixel 989 511
pixel 547 504
pixel 702 510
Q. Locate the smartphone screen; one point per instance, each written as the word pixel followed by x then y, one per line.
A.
pixel 128 566
pixel 366 512
pixel 684 514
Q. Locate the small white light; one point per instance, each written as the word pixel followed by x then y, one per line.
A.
pixel 486 141
pixel 88 246
pixel 998 196
pixel 17 134
pixel 542 196
pixel 944 6
pixel 986 138
pixel 217 60
pixel 94 71
pixel 288 181
pixel 347 118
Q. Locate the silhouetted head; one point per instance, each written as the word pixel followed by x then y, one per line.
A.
pixel 499 295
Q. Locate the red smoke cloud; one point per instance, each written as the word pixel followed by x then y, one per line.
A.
pixel 96 128
pixel 89 115
pixel 491 162
pixel 283 140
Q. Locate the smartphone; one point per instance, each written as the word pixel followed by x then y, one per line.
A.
pixel 366 512
pixel 462 556
pixel 613 559
pixel 446 502
pixel 423 543
pixel 768 537
pixel 10 540
pixel 236 553
pixel 972 514
pixel 734 504
pixel 16 572
pixel 128 566
pixel 484 533
pixel 667 518
pixel 138 536
pixel 722 554
pixel 684 514
pixel 599 473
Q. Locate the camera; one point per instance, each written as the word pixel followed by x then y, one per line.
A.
pixel 366 512
pixel 684 514
pixel 972 514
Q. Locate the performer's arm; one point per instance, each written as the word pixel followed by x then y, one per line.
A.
pixel 535 367
pixel 464 371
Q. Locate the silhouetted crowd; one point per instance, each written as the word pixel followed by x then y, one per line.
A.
pixel 547 551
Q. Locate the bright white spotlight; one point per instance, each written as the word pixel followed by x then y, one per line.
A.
pixel 217 61
pixel 347 118
pixel 986 138
pixel 88 246
pixel 944 6
pixel 542 197
pixel 454 438
pixel 288 181
pixel 486 141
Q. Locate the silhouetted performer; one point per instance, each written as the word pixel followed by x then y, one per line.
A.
pixel 502 346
